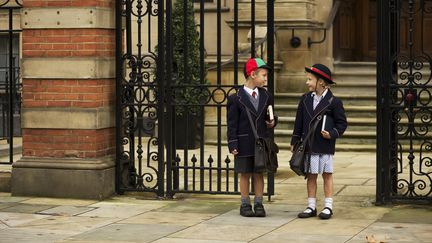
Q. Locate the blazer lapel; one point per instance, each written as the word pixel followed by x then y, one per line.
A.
pixel 324 103
pixel 244 99
pixel 308 103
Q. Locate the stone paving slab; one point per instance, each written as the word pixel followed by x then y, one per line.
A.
pixel 275 218
pixel 335 226
pixel 119 210
pixel 279 237
pixel 66 210
pixel 223 232
pixel 26 208
pixel 3 226
pixel 17 219
pixel 169 218
pixel 190 206
pixel 18 235
pixel 357 191
pixel 126 233
pixel 68 225
pixel 59 201
pixel 396 232
pixel 178 240
pixel 7 205
pixel 6 197
pixel 409 214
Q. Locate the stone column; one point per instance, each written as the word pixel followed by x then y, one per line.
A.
pixel 68 113
pixel 305 16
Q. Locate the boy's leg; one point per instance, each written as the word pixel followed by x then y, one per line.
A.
pixel 328 193
pixel 311 190
pixel 259 184
pixel 246 207
pixel 259 191
pixel 244 184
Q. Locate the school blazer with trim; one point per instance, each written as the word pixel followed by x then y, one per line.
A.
pixel 306 115
pixel 239 131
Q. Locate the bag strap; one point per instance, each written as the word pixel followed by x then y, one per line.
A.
pixel 311 137
pixel 314 126
pixel 251 123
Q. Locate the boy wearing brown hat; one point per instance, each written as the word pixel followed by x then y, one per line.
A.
pixel 254 98
pixel 319 104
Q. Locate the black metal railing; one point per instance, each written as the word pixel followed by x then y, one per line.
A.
pixel 167 106
pixel 404 102
pixel 10 85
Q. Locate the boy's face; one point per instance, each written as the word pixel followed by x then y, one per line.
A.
pixel 259 77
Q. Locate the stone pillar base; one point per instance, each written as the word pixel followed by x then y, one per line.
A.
pixel 66 178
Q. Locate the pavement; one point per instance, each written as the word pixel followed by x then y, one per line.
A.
pixel 193 218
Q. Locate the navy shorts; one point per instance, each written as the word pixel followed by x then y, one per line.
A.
pixel 244 164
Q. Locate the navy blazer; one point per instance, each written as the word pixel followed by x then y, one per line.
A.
pixel 306 115
pixel 240 133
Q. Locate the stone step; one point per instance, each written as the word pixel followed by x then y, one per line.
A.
pixel 354 77
pixel 351 110
pixel 339 147
pixel 354 67
pixel 354 124
pixel 347 98
pixel 358 87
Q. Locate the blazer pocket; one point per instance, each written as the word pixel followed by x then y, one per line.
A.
pixel 243 135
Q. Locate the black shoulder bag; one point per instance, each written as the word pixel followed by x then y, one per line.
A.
pixel 299 156
pixel 266 150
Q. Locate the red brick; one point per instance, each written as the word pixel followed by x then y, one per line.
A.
pixel 68 143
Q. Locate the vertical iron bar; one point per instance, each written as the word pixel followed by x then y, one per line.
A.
pixel 138 84
pixel 169 107
pixel 270 85
pixel 128 27
pixel 383 117
pixel 379 104
pixel 252 28
pixel 219 112
pixel 131 165
pixel 411 117
pixel 119 69
pixel 235 43
pixel 160 99
pixel 11 86
pixel 394 51
pixel 202 74
pixel 186 80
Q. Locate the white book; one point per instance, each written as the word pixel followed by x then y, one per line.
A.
pixel 270 112
pixel 324 122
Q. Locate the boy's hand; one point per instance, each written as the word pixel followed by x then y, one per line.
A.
pixel 270 124
pixel 325 134
pixel 234 152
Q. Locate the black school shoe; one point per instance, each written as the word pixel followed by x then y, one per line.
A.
pixel 304 215
pixel 323 215
pixel 246 210
pixel 259 210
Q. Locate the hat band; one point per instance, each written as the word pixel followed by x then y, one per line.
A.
pixel 321 73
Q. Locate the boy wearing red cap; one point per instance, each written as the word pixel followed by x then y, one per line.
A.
pixel 241 140
pixel 319 104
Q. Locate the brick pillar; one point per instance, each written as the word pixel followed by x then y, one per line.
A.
pixel 68 115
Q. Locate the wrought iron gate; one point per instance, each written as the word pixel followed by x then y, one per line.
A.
pixel 404 102
pixel 10 85
pixel 169 110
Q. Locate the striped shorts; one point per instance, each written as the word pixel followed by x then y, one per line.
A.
pixel 320 163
